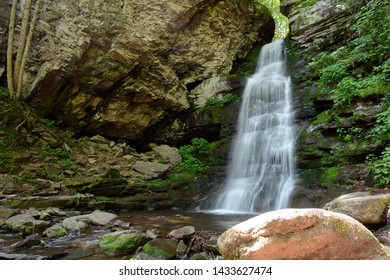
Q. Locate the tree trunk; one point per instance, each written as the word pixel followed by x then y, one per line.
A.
pixel 22 43
pixel 11 29
pixel 26 49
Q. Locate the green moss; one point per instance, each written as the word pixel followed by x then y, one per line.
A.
pixel 324 117
pixel 15 203
pixel 330 175
pixel 346 229
pixel 164 249
pixel 342 227
pixel 120 244
pixel 84 186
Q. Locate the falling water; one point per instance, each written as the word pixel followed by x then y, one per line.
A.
pixel 261 174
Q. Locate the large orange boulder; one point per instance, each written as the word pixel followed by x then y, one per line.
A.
pixel 301 234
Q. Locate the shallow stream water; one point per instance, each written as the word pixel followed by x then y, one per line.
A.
pixel 86 244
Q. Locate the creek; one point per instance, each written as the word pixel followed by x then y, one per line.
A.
pixel 85 245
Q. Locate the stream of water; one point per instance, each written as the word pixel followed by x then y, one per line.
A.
pixel 261 174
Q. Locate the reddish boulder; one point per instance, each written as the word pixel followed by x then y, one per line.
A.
pixel 301 234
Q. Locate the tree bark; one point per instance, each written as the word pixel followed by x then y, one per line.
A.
pixel 22 40
pixel 11 29
pixel 27 49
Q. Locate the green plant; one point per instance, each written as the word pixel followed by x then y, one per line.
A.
pixel 360 67
pixel 229 98
pixel 3 142
pixel 59 153
pixel 381 131
pixel 48 122
pixel 193 157
pixel 351 134
pixel 68 134
pixel 67 163
pixel 381 169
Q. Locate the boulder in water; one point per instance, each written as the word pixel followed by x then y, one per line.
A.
pixel 75 224
pixel 161 248
pixel 101 218
pixel 301 234
pixel 182 233
pixel 26 224
pixel 121 242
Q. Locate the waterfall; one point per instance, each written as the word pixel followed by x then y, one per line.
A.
pixel 261 174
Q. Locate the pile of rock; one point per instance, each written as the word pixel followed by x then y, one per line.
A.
pixel 181 243
pixel 115 237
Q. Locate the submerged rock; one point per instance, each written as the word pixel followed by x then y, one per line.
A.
pixel 298 234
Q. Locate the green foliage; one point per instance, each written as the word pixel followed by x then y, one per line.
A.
pixel 59 153
pixel 336 157
pixel 214 102
pixel 3 142
pixel 349 135
pixel 329 176
pixel 381 132
pixel 48 122
pixel 194 157
pixel 381 169
pixel 361 67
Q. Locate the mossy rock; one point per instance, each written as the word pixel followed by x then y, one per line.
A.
pixel 161 248
pixel 26 224
pixel 121 242
pixel 56 231
pixel 100 186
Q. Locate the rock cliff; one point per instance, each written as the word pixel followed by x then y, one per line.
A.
pixel 116 68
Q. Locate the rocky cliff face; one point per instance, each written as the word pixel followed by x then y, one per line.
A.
pixel 331 154
pixel 116 68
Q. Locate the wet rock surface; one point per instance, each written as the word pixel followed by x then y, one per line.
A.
pixel 95 235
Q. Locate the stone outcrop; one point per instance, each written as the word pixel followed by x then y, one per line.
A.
pixel 115 68
pixel 331 153
pixel 366 208
pixel 319 25
pixel 298 234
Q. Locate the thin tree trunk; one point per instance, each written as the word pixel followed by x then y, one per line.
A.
pixel 27 48
pixel 11 29
pixel 22 39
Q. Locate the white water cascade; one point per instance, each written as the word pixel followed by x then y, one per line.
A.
pixel 261 174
